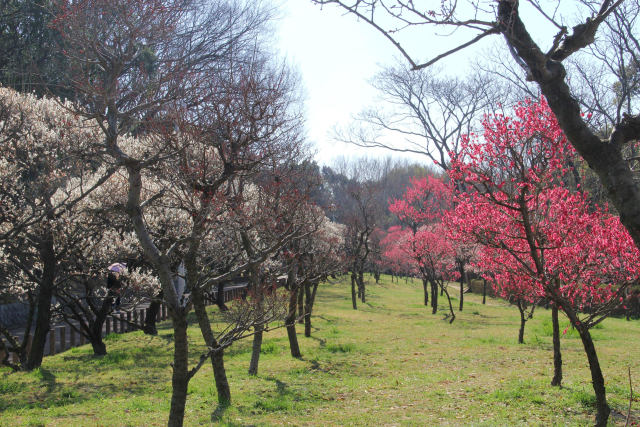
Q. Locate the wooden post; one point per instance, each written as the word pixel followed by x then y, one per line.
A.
pixel 129 321
pixel 107 326
pixel 72 337
pixel 52 342
pixel 29 343
pixel 123 325
pixel 63 338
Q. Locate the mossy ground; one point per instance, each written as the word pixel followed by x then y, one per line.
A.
pixel 391 362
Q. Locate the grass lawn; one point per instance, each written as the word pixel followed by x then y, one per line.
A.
pixel 391 362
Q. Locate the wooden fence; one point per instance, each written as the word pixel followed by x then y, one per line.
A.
pixel 63 337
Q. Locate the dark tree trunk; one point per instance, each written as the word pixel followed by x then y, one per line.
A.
pixel 307 309
pixel 220 377
pixel 258 329
pixel 95 327
pixel 597 380
pixel 354 301
pixel 180 377
pixel 43 302
pixel 313 295
pixel 426 292
pixel 446 293
pixel 461 287
pixel 557 356
pixel 290 321
pixel 434 296
pixel 255 350
pixel 23 351
pixel 99 349
pixel 217 357
pixel 484 290
pixel 220 297
pixel 523 321
pixel 150 327
pixel 300 305
pixel 361 288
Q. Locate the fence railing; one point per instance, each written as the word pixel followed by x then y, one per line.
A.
pixel 63 337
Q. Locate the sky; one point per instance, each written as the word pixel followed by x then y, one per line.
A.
pixel 336 57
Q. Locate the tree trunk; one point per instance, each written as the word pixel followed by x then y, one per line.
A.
pixel 523 320
pixel 353 292
pixel 25 346
pixel 180 377
pixel 43 302
pixel 426 292
pixel 300 305
pixel 314 292
pixel 220 377
pixel 446 293
pixel 151 317
pixel 290 321
pixel 484 290
pixel 461 288
pixel 95 327
pixel 217 357
pixel 220 297
pixel 557 356
pixel 307 310
pixel 434 297
pixel 361 286
pixel 255 351
pixel 597 380
pixel 98 346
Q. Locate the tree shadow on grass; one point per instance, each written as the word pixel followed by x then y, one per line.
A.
pixel 218 413
pixel 321 341
pixel 325 297
pixel 78 376
pixel 240 347
pixel 314 365
pixel 326 319
pixel 48 379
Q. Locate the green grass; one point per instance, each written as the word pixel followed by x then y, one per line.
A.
pixel 391 362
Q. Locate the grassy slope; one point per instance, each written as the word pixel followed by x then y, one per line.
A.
pixel 389 363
